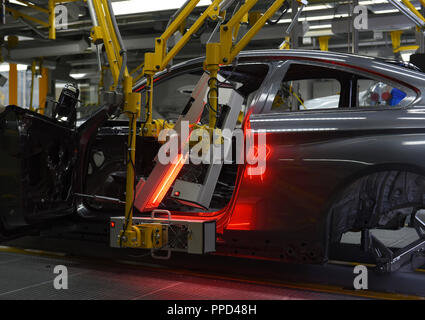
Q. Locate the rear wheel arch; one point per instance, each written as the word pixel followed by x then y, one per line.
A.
pixel 366 198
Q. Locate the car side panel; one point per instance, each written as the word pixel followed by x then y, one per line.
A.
pixel 312 156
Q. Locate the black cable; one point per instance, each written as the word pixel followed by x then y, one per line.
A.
pixel 218 83
pixel 130 160
pixel 235 65
pixel 285 10
pixel 210 91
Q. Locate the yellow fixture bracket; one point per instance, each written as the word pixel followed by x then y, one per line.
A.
pixel 324 43
pixel 159 60
pixel 217 54
pixel 225 51
pixel 139 70
pixel 144 236
pixel 396 42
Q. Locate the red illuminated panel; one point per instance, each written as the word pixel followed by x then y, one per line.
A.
pixel 256 170
pixel 166 182
pixel 243 217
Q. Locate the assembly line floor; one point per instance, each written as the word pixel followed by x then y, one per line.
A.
pixel 27 276
pixel 99 272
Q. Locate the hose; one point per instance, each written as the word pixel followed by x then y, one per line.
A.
pixel 123 51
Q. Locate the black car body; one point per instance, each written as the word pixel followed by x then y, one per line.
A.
pixel 345 139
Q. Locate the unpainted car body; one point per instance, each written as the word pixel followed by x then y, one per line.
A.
pixel 329 170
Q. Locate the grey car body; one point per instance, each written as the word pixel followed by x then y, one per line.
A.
pixel 329 171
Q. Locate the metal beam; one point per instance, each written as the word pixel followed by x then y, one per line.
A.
pixel 48 49
pixel 384 23
pixel 355 32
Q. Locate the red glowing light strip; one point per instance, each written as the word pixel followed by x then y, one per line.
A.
pixel 165 185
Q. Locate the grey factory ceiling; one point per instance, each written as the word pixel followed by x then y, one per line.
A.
pixel 73 47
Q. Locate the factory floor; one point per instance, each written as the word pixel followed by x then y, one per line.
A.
pixel 96 271
pixel 28 276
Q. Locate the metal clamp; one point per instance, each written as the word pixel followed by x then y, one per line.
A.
pixel 168 213
pixel 153 255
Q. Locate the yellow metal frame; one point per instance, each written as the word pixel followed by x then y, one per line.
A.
pixel 412 8
pixel 324 43
pixel 33 6
pixel 158 60
pixel 396 42
pixel 43 85
pixel 105 33
pixel 144 236
pixel 286 45
pixel 13 83
pixel 50 11
pixel 226 50
pixel 17 14
pixel 217 54
pixel 139 69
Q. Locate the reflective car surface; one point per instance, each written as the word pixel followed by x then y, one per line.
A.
pixel 345 150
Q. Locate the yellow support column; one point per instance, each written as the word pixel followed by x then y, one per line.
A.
pixel 43 84
pixel 396 40
pixel 52 20
pixel 13 84
pixel 212 65
pixel 324 43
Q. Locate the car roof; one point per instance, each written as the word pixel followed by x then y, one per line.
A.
pixel 401 72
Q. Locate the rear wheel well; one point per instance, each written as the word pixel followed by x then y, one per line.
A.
pixel 379 197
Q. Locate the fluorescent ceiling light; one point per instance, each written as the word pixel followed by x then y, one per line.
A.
pixel 314 7
pixel 4 67
pixel 321 26
pixel 78 75
pixel 385 11
pixel 22 38
pixel 318 18
pixel 137 6
pixel 367 3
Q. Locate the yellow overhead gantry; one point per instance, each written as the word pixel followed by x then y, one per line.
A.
pixel 410 11
pixel 105 31
pixel 217 54
pixel 221 53
pixel 50 12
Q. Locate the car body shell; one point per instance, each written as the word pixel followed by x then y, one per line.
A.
pixel 313 155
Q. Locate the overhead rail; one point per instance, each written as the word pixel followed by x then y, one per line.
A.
pixel 410 11
pixel 49 22
pixel 286 43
